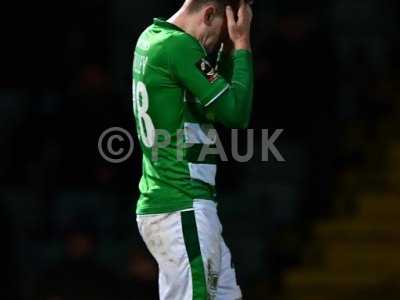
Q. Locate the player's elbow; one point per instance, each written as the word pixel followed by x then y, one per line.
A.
pixel 243 124
pixel 243 118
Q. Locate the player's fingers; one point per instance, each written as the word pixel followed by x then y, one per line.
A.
pixel 245 13
pixel 249 12
pixel 230 17
pixel 241 11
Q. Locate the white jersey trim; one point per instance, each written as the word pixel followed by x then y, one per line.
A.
pixel 203 172
pixel 218 95
pixel 199 134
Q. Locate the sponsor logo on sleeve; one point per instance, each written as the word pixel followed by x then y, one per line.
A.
pixel 207 70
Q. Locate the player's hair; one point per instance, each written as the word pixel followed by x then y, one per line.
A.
pixel 196 5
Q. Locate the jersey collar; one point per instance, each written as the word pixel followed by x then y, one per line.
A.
pixel 163 23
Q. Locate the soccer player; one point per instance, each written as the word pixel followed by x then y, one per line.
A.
pixel 176 89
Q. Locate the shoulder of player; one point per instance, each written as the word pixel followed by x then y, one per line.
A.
pixel 180 42
pixel 143 41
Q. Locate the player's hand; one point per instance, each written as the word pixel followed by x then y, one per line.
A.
pixel 239 28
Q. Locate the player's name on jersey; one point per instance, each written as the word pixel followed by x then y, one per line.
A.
pixel 140 62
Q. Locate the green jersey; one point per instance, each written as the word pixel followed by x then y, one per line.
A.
pixel 176 91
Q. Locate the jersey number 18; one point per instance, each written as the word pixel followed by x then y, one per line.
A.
pixel 141 107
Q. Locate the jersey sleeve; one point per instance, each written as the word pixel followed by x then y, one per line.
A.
pixel 189 65
pixel 233 109
pixel 225 66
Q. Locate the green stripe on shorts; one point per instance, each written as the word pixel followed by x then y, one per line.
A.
pixel 194 253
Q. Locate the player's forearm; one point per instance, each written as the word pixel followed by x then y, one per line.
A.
pixel 225 66
pixel 234 108
pixel 243 86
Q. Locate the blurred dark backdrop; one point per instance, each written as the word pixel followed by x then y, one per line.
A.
pixel 326 71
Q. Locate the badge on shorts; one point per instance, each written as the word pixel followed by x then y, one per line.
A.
pixel 207 70
pixel 212 280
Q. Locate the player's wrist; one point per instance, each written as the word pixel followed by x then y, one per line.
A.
pixel 243 44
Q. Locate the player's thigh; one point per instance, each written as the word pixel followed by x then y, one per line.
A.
pixel 228 289
pixel 162 235
pixel 209 233
pixel 164 239
pixel 174 241
pixel 221 275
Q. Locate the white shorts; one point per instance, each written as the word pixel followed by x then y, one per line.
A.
pixel 194 261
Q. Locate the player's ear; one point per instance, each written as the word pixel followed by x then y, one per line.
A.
pixel 209 14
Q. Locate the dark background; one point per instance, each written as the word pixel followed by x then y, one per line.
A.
pixel 323 225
